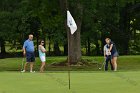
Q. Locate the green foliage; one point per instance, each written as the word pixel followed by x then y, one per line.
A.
pixel 117 19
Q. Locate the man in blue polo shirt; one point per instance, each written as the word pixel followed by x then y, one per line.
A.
pixel 28 51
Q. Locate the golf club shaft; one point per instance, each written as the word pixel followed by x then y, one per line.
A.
pixel 23 59
pixel 103 64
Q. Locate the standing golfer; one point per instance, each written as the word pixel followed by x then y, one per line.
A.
pixel 42 55
pixel 28 50
pixel 107 56
pixel 114 52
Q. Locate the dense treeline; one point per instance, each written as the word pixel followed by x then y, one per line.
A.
pixel 46 19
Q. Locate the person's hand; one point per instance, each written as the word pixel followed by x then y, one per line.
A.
pixel 24 53
pixel 109 53
pixel 104 57
pixel 44 51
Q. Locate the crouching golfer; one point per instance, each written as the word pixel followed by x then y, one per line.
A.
pixel 42 55
pixel 107 56
pixel 28 50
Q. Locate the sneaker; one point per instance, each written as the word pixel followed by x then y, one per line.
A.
pixel 23 71
pixel 32 71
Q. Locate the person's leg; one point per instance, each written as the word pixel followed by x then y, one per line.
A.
pixel 25 65
pixel 106 65
pixel 31 66
pixel 112 62
pixel 42 67
pixel 115 63
pixel 43 59
pixel 112 68
pixel 27 61
pixel 111 65
pixel 32 62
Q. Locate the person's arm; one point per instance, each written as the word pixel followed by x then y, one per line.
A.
pixel 104 52
pixel 24 52
pixel 110 47
pixel 23 49
pixel 42 49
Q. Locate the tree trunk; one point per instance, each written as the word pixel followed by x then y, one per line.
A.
pixel 74 45
pixel 49 46
pixel 97 48
pixel 56 49
pixel 65 49
pixel 125 28
pixel 74 41
pixel 88 46
pixel 2 47
pixel 37 40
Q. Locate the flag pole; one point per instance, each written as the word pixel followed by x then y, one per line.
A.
pixel 68 36
pixel 69 60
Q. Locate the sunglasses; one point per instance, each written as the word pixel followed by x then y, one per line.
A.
pixel 42 42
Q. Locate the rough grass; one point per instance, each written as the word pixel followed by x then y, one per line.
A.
pixel 125 63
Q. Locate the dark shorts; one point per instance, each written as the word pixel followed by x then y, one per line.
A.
pixel 108 57
pixel 30 57
pixel 115 54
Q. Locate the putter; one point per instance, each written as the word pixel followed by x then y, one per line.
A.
pixel 102 64
pixel 23 60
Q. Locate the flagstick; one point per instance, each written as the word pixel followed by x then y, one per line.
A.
pixel 68 34
pixel 69 76
pixel 69 59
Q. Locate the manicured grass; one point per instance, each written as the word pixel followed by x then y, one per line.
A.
pixel 84 79
pixel 81 82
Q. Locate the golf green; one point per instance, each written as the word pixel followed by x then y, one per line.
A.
pixel 81 82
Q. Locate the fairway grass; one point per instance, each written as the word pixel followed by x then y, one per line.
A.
pixel 81 82
pixel 84 79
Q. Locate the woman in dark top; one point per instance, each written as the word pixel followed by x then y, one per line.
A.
pixel 114 52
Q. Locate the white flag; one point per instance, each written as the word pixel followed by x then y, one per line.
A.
pixel 71 23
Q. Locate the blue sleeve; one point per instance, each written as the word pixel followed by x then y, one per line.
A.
pixel 33 43
pixel 25 44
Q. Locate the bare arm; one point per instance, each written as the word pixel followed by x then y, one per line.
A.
pixel 42 49
pixel 104 53
pixel 110 47
pixel 24 51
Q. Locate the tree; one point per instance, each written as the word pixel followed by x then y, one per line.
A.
pixel 9 17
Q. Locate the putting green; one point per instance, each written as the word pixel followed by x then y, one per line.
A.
pixel 81 82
